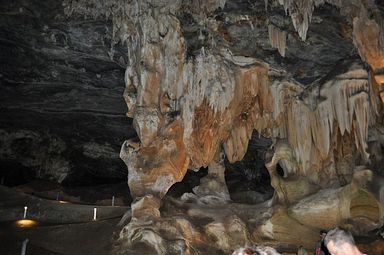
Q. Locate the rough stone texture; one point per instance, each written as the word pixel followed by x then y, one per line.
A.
pixel 202 76
pixel 62 114
pixel 154 169
pixel 211 74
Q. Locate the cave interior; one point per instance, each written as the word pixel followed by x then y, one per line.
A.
pixel 190 127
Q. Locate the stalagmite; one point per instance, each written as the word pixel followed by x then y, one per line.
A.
pixel 277 39
pixel 213 189
pixel 187 108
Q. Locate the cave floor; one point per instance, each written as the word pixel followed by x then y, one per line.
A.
pixel 55 227
pixel 68 228
pixel 93 238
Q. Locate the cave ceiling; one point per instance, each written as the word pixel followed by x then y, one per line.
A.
pixel 242 29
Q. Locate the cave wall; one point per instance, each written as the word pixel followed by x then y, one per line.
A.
pixel 62 115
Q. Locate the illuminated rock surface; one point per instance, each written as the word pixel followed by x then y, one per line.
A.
pixel 201 79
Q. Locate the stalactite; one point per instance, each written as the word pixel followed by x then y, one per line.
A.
pixel 277 38
pixel 187 109
pixel 249 113
pixel 301 12
pixel 347 104
pixel 282 92
pixel 286 3
pixel 352 110
pixel 381 25
pixel 266 5
pixel 212 81
pixel 321 128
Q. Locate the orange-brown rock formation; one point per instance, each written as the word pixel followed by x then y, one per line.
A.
pixel 189 111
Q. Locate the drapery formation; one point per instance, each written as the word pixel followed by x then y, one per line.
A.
pixel 190 109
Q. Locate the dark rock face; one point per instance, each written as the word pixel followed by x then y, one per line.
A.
pixel 62 114
pixel 243 30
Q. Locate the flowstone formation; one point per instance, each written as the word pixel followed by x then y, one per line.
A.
pixel 196 91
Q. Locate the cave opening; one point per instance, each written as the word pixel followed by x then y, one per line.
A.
pixel 190 180
pixel 248 180
pixel 280 170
